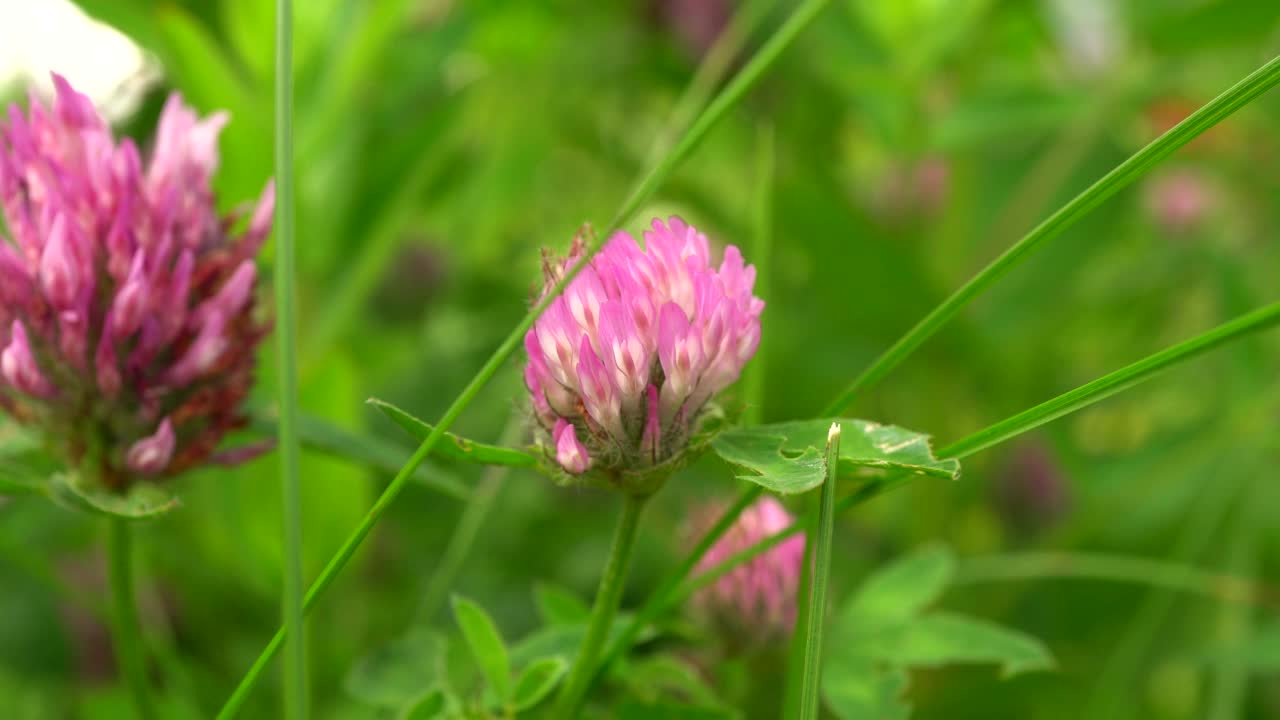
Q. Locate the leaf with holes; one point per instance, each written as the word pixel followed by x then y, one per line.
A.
pixel 787 457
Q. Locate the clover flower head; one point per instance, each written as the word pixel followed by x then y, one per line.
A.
pixel 622 365
pixel 127 321
pixel 761 593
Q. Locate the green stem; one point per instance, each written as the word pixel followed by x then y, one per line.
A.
pixel 125 632
pixel 1241 94
pixel 606 606
pixel 655 604
pixel 742 82
pixel 821 573
pixel 295 681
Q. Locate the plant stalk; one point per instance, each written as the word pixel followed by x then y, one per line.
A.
pixel 295 666
pixel 606 607
pixel 820 574
pixel 126 633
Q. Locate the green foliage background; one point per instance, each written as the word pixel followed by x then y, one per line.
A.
pixel 441 144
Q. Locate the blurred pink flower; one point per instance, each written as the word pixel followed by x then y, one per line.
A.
pixel 760 594
pixel 126 302
pixel 623 363
pixel 1178 201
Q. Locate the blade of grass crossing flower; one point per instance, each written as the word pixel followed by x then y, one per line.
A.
pixel 286 348
pixel 710 72
pixel 1000 432
pixel 728 97
pixel 1113 383
pixel 1241 94
pixel 126 634
pixel 644 189
pixel 820 574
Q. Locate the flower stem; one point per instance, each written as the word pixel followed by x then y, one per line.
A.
pixel 125 632
pixel 821 572
pixel 607 598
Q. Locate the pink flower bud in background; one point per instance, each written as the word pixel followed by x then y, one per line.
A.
pixel 759 595
pixel 127 301
pixel 628 358
pixel 1179 201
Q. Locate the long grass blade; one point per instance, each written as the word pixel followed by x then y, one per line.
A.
pixel 1071 401
pixel 733 92
pixel 820 575
pixel 1241 94
pixel 1113 383
pixel 286 348
pixel 1115 568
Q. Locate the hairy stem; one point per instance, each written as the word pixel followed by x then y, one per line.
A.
pixel 606 606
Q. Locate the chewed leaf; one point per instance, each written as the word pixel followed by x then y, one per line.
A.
pixel 452 447
pixel 787 457
pixel 139 502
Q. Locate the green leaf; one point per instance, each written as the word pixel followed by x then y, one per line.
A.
pixel 485 643
pixel 941 638
pixel 899 592
pixel 429 706
pixel 861 691
pixel 139 502
pixel 453 447
pixel 564 640
pixel 395 675
pixel 537 681
pixel 787 457
pixel 558 606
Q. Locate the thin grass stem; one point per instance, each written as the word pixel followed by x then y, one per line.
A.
pixel 286 331
pixel 1239 95
pixel 820 575
pixel 126 633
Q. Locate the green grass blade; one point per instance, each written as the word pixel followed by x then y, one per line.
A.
pixel 1113 383
pixel 820 575
pixel 1115 568
pixel 710 72
pixel 287 350
pixel 738 87
pixel 1241 94
pixel 728 97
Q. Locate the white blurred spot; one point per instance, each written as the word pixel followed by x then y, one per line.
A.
pixel 39 36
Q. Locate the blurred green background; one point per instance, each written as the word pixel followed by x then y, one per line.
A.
pixel 442 143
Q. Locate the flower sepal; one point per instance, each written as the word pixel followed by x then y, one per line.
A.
pixel 140 501
pixel 636 481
